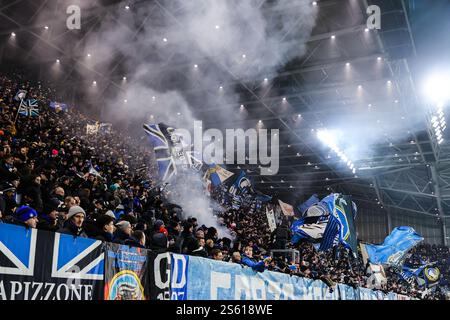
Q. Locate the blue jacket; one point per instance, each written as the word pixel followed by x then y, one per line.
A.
pixel 257 266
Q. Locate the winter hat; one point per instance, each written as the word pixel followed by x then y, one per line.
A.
pixel 52 205
pixel 158 224
pixel 55 152
pixel 110 214
pixel 25 212
pixel 75 210
pixel 122 225
pixel 159 240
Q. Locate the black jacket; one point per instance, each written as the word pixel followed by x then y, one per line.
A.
pixel 120 237
pixel 189 243
pixel 70 228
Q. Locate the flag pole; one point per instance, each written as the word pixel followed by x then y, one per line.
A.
pixel 18 109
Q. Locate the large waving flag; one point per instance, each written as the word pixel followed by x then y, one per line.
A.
pixel 341 225
pixel 29 108
pixel 166 163
pixel 394 248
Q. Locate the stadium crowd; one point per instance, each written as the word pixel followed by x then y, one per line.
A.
pixel 55 177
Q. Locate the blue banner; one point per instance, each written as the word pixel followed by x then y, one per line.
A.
pixel 216 280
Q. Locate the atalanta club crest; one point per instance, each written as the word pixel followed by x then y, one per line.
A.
pixel 432 274
pixel 125 285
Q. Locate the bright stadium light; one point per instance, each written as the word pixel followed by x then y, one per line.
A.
pixel 329 139
pixel 437 89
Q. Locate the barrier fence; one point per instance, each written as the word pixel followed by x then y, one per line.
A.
pixel 40 265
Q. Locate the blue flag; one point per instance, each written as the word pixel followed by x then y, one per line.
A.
pixel 341 224
pixel 241 185
pixel 330 237
pixel 426 275
pixel 58 107
pixel 308 203
pixel 394 248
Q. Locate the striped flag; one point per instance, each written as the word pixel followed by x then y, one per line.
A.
pixel 331 234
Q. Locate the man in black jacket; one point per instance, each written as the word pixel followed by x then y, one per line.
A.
pixel 7 199
pixel 74 223
pixel 105 225
pixel 280 237
pixel 190 243
pixel 123 232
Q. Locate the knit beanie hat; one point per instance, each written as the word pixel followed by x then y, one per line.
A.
pixel 111 214
pixel 75 210
pixel 24 213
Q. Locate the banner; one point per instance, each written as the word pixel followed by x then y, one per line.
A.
pixel 159 277
pixel 242 185
pixel 92 129
pixel 394 248
pixel 271 219
pixel 125 272
pixel 218 174
pixel 58 107
pixel 41 265
pixel 377 276
pixel 287 209
pixel 216 280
